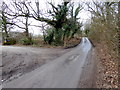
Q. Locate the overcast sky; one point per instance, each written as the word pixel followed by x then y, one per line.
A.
pixel 84 15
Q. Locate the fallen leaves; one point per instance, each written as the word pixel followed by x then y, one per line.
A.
pixel 107 76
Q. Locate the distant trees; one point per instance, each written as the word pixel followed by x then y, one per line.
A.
pixel 87 28
pixel 62 19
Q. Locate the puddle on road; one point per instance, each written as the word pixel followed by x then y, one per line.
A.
pixel 72 58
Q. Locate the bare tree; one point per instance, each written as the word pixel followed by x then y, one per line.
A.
pixel 104 22
pixel 18 12
pixel 6 21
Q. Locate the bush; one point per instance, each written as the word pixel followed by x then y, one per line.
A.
pixel 26 41
pixel 9 41
pixel 38 42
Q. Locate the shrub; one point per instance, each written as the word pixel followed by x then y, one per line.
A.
pixel 26 41
pixel 9 41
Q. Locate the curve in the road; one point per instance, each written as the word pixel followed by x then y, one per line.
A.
pixel 61 73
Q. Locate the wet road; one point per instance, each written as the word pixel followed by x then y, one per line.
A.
pixel 64 72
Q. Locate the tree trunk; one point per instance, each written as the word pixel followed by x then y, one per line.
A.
pixel 119 28
pixel 28 36
pixel 119 16
pixel 4 22
pixel 26 28
pixel 108 13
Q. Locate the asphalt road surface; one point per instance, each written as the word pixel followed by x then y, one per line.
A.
pixel 64 72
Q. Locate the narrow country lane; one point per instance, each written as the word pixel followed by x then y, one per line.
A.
pixel 64 72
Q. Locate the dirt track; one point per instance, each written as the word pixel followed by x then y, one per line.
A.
pixel 17 61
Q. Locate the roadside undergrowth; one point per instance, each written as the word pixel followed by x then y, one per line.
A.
pixel 40 43
pixel 107 74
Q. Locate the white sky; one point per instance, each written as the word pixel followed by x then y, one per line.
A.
pixel 84 15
